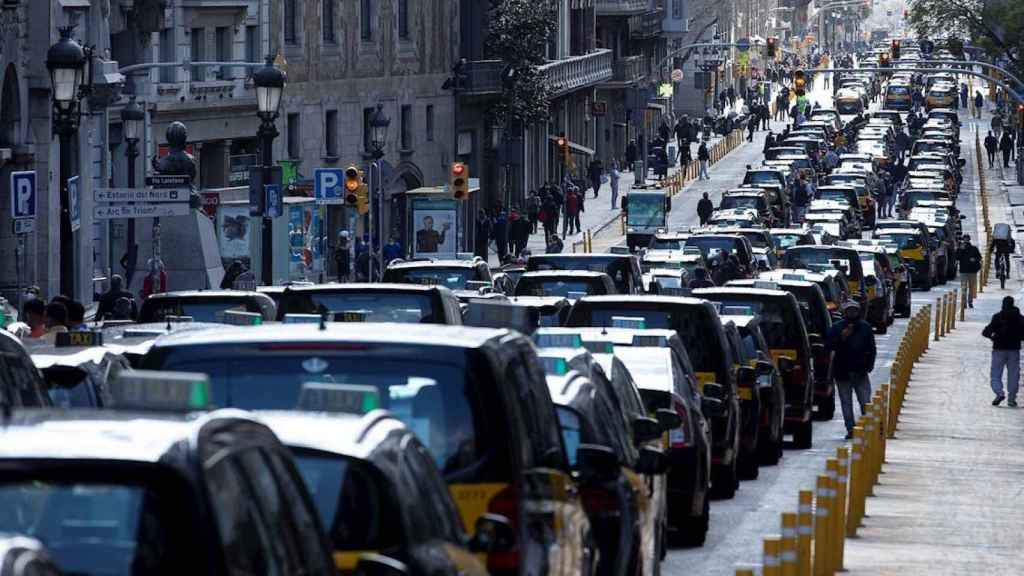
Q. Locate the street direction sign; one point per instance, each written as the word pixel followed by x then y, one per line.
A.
pixel 141 194
pixel 24 226
pixel 168 181
pixel 23 194
pixel 75 202
pixel 112 211
pixel 743 44
pixel 328 185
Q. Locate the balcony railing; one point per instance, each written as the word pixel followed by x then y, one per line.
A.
pixel 647 25
pixel 621 7
pixel 629 69
pixel 483 77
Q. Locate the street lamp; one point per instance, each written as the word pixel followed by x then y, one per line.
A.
pixel 379 124
pixel 66 62
pixel 132 119
pixel 270 83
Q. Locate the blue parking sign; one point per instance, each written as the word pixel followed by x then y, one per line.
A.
pixel 23 194
pixel 75 202
pixel 328 185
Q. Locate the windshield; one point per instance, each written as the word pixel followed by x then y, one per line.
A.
pixel 898 91
pixel 374 307
pixel 903 241
pixel 779 322
pixel 710 246
pixel 454 278
pixel 849 106
pixel 833 194
pixel 430 397
pixel 784 241
pixel 664 281
pixel 617 268
pixel 666 243
pixel 732 202
pixel 829 259
pixel 571 288
pixel 106 528
pixel 646 210
pixel 205 310
pixel 762 177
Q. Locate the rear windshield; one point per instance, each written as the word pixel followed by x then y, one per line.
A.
pixel 903 241
pixel 849 106
pixel 564 287
pixel 454 278
pixel 666 243
pixel 201 310
pixel 617 268
pixel 779 323
pixel 898 91
pixel 730 202
pixel 760 177
pixel 813 259
pixel 785 241
pixel 710 246
pixel 113 527
pixel 373 307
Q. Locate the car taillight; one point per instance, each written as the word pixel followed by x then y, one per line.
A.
pixel 600 502
pixel 681 437
pixel 505 503
pixel 796 375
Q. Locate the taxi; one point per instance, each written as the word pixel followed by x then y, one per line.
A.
pixel 205 305
pixel 941 95
pixel 377 490
pixel 453 274
pixel 901 275
pixel 784 238
pixel 828 227
pixel 403 303
pixel 782 324
pixel 699 327
pixel 77 371
pixel 751 199
pixel 662 265
pixel 624 269
pixel 477 397
pixel 879 279
pixel 569 284
pixel 737 217
pixel 21 383
pixel 24 556
pixel 824 258
pixel 915 247
pixel 151 493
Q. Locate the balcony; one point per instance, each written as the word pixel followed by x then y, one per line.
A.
pixel 647 25
pixel 627 70
pixel 621 7
pixel 483 77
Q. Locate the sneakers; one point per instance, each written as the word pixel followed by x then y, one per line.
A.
pixel 849 435
pixel 1012 403
pixel 999 400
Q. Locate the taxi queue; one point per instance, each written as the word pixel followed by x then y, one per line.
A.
pixel 573 415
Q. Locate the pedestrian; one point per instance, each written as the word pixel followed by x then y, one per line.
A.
pixel 997 125
pixel 613 180
pixel 33 313
pixel 500 233
pixel 56 318
pixel 704 209
pixel 765 116
pixel 702 159
pixel 76 316
pixel 343 257
pixel 109 298
pixel 482 237
pixel 630 155
pixel 682 131
pixel 1005 330
pixel 751 127
pixel 572 213
pixel 231 274
pixel 991 146
pixel 884 191
pixel 852 341
pixel 969 260
pixel 1006 145
pixel 730 93
pixel 518 232
pixel 701 279
pixel 979 103
pixel 963 96
pixel 532 210
pixel 392 250
pixel 684 157
pixel 596 171
pixel 156 280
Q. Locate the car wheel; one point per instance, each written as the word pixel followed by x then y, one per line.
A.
pixel 768 451
pixel 749 466
pixel 693 532
pixel 803 436
pixel 725 481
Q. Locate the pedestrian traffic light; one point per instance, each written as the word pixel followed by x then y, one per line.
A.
pixel 799 82
pixel 460 181
pixel 895 49
pixel 769 47
pixel 353 181
pixel 363 199
pixel 563 147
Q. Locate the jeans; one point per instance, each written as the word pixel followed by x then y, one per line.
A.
pixel 1010 360
pixel 970 279
pixel 859 383
pixel 991 158
pixel 615 195
pixel 704 170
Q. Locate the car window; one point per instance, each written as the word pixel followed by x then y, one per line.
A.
pixel 570 423
pixel 297 513
pixel 443 520
pixel 537 409
pixel 245 535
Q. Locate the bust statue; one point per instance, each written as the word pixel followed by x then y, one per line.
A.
pixel 177 161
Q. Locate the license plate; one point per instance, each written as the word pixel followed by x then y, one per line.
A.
pixel 745 393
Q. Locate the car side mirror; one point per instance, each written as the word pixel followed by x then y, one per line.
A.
pixel 712 407
pixel 651 461
pixel 494 533
pixel 764 367
pixel 646 429
pixel 786 363
pixel 380 565
pixel 596 461
pixel 668 419
pixel 713 390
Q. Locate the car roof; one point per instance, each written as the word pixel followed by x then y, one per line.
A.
pixel 364 287
pixel 426 263
pixel 742 290
pixel 239 294
pixel 384 333
pixel 623 299
pixel 563 274
pixel 346 434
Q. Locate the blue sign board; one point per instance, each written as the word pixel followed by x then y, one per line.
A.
pixel 23 194
pixel 275 202
pixel 75 203
pixel 329 185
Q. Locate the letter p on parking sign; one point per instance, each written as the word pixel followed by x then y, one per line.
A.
pixel 23 194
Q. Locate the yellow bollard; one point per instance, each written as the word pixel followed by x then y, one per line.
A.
pixel 894 378
pixel 770 559
pixel 967 287
pixel 938 318
pixel 857 459
pixel 843 457
pixel 869 451
pixel 822 512
pixel 887 423
pixel 832 471
pixel 805 532
pixel 745 572
pixel 787 555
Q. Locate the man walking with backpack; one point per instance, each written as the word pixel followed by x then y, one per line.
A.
pixel 969 259
pixel 1006 330
pixel 853 342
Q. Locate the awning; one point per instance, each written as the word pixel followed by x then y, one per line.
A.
pixel 574 147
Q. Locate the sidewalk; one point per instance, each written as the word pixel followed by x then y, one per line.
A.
pixel 948 499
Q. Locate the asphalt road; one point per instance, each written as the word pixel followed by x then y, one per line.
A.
pixel 738 525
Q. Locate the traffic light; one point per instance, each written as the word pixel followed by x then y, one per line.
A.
pixel 1020 117
pixel 563 147
pixel 895 49
pixel 770 49
pixel 460 181
pixel 363 199
pixel 353 181
pixel 799 82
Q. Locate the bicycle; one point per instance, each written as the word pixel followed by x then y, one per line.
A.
pixel 1002 268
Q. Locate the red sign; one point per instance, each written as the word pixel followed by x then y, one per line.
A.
pixel 164 150
pixel 210 202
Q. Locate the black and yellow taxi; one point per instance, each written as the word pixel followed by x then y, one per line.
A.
pixel 784 238
pixel 477 397
pixel 205 305
pixel 880 279
pixel 376 487
pixel 748 464
pixel 901 274
pixel 782 324
pixel 454 274
pixel 400 303
pixel 112 492
pixel 667 382
pixel 569 284
pixel 614 460
pixel 824 258
pixel 624 269
pixel 21 383
pixel 698 326
pixel 24 556
pixel 915 246
pixel 77 368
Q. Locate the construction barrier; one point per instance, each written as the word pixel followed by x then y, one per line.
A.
pixel 813 540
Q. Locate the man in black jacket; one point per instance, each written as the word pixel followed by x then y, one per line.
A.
pixel 969 259
pixel 991 146
pixel 1006 330
pixel 853 342
pixel 704 209
pixel 1006 146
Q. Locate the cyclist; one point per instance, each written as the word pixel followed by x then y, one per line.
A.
pixel 1003 245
